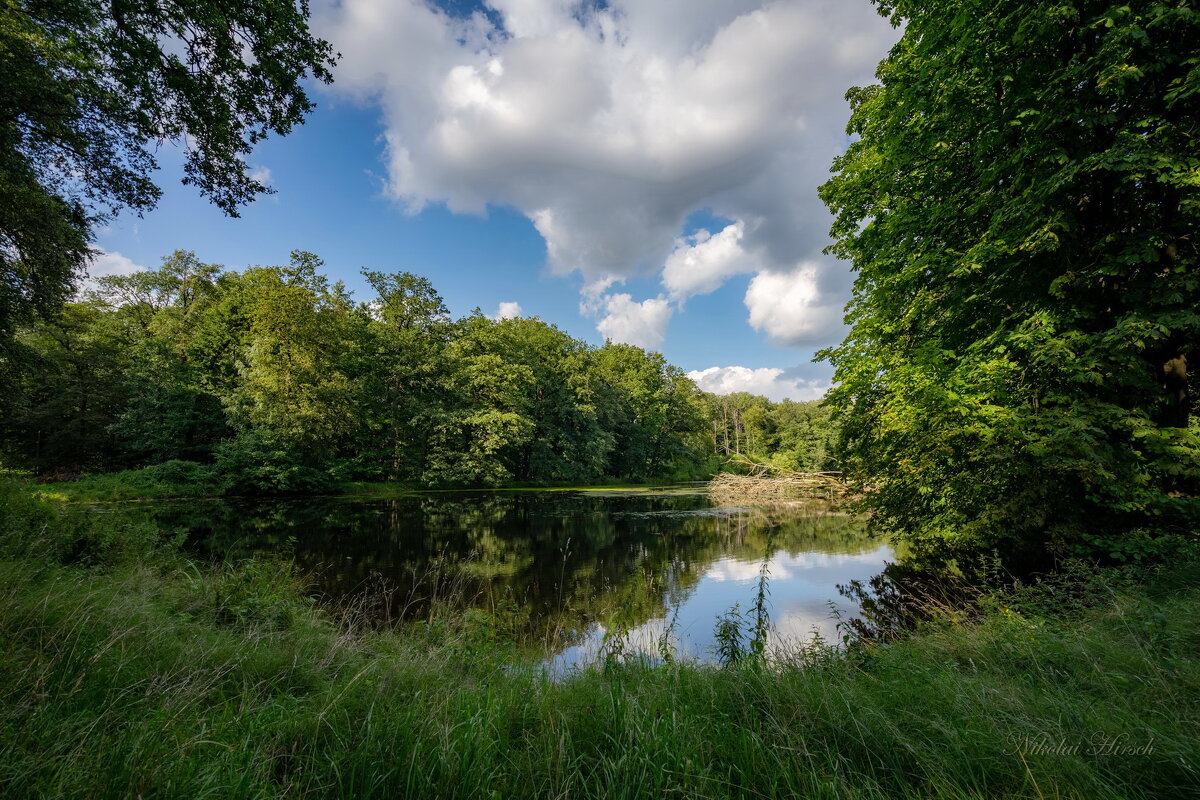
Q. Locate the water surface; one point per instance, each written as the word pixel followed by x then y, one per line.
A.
pixel 572 573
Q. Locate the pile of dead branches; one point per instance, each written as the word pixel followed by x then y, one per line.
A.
pixel 764 481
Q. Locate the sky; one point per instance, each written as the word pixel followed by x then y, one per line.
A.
pixel 644 171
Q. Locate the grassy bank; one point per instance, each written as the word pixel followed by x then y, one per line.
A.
pixel 125 671
pixel 179 479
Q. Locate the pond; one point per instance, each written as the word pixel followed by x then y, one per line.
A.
pixel 572 574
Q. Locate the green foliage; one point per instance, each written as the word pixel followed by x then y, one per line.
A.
pixel 730 635
pixel 659 414
pixel 284 385
pixel 67 394
pixel 169 479
pixel 291 389
pixel 251 594
pixel 252 463
pixel 43 532
pixel 168 414
pixel 402 344
pixel 800 436
pixel 1020 204
pixel 88 90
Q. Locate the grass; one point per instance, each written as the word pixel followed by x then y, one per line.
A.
pixel 125 671
pixel 181 479
pixel 173 479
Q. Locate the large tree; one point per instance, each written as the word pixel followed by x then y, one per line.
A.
pixel 1021 204
pixel 88 88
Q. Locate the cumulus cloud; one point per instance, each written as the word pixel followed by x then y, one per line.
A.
pixel 792 309
pixel 609 124
pixel 774 383
pixel 699 264
pixel 643 324
pixel 104 263
pixel 507 310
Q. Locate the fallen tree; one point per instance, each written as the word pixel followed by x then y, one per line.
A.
pixel 761 481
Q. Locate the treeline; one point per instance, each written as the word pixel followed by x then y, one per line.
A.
pixel 276 380
pixel 799 436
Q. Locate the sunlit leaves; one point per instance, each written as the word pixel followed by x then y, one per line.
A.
pixel 1020 207
pixel 89 89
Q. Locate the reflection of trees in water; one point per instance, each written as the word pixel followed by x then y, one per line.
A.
pixel 904 595
pixel 552 563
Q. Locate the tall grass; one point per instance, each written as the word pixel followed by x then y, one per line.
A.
pixel 145 677
pixel 173 479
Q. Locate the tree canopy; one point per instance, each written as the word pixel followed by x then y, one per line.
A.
pixel 87 87
pixel 1020 203
pixel 276 380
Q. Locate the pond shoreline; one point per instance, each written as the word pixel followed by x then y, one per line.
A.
pixel 135 672
pixel 120 487
pixel 560 570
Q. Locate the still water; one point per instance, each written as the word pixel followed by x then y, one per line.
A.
pixel 568 572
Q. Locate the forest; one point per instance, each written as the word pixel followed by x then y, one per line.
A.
pixel 273 380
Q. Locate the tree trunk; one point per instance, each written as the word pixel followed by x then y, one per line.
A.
pixel 1177 404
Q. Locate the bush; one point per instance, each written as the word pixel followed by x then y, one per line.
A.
pixel 264 595
pixel 177 472
pixel 169 479
pixel 251 464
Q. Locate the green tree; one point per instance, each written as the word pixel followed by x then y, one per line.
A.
pixel 807 436
pixel 407 366
pixel 69 395
pixel 568 442
pixel 171 413
pixel 168 415
pixel 89 87
pixel 635 408
pixel 1020 205
pixel 283 382
pixel 478 438
pixel 520 405
pixel 290 388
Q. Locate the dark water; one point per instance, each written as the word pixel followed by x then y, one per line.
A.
pixel 558 569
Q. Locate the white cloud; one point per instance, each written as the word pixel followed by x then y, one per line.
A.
pixel 699 264
pixel 731 569
pixel 643 324
pixel 104 263
pixel 792 309
pixel 771 382
pixel 261 175
pixel 507 310
pixel 608 125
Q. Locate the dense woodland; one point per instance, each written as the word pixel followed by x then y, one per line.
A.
pixel 1020 203
pixel 277 380
pixel 793 435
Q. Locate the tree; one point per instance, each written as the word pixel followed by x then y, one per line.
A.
pixel 87 86
pixel 169 414
pixel 291 392
pixel 807 436
pixel 69 394
pixel 411 328
pixel 285 385
pixel 1021 206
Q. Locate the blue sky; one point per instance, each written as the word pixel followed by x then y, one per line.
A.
pixel 611 170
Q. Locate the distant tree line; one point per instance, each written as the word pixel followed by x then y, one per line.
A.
pixel 794 435
pixel 279 381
